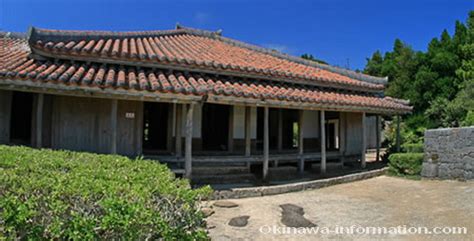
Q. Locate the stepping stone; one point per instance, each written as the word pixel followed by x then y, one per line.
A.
pixel 292 216
pixel 207 212
pixel 240 221
pixel 225 204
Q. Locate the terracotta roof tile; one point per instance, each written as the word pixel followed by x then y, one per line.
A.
pixel 188 49
pixel 17 65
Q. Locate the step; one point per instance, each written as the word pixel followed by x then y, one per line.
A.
pixel 282 172
pixel 220 170
pixel 223 179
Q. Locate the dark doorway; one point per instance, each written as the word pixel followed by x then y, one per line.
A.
pixel 289 128
pixel 155 126
pixel 21 115
pixel 215 127
pixel 332 135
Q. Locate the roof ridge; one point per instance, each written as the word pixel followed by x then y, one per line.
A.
pixel 17 35
pixel 67 35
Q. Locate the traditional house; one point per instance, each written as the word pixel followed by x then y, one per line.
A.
pixel 183 96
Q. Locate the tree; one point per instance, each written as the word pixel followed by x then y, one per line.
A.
pixel 312 58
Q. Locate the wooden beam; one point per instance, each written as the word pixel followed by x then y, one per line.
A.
pixel 280 130
pixel 266 144
pixel 189 141
pixel 39 120
pixel 248 143
pixel 364 142
pixel 300 141
pixel 113 126
pixel 322 120
pixel 398 134
pixel 178 143
pixel 230 137
pixel 377 137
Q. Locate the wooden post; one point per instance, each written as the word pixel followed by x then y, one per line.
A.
pixel 398 134
pixel 280 130
pixel 178 143
pixel 248 113
pixel 364 141
pixel 300 142
pixel 189 141
pixel 39 120
pixel 323 141
pixel 139 129
pixel 113 126
pixel 377 137
pixel 342 134
pixel 230 138
pixel 266 146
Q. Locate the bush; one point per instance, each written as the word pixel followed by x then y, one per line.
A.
pixel 405 163
pixel 413 147
pixel 47 194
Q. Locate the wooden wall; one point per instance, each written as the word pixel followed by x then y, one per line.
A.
pixel 353 133
pixel 83 124
pixel 5 108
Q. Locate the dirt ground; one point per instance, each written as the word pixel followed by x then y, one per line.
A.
pixel 378 202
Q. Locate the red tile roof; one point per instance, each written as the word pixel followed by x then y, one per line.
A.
pixel 195 49
pixel 17 65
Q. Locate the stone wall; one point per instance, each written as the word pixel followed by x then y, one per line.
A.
pixel 449 153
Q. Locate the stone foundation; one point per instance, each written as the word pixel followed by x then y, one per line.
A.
pixel 449 153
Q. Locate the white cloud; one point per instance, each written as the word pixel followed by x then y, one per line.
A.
pixel 201 17
pixel 279 47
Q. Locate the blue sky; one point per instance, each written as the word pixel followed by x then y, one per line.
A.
pixel 343 33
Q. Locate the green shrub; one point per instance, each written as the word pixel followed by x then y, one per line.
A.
pixel 413 147
pixel 405 163
pixel 46 194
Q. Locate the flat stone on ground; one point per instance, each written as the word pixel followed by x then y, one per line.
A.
pixel 292 216
pixel 240 221
pixel 225 204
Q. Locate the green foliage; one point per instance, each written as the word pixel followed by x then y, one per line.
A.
pixel 46 194
pixel 469 120
pixel 413 147
pixel 439 82
pixel 312 58
pixel 405 164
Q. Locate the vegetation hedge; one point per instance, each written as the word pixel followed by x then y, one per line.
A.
pixel 405 163
pixel 46 194
pixel 413 147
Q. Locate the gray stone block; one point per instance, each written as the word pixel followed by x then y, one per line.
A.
pixel 429 170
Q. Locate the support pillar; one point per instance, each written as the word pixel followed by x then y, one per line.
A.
pixel 342 136
pixel 364 142
pixel 189 141
pixel 248 113
pixel 39 120
pixel 113 127
pixel 398 134
pixel 266 146
pixel 178 141
pixel 377 138
pixel 300 142
pixel 322 122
